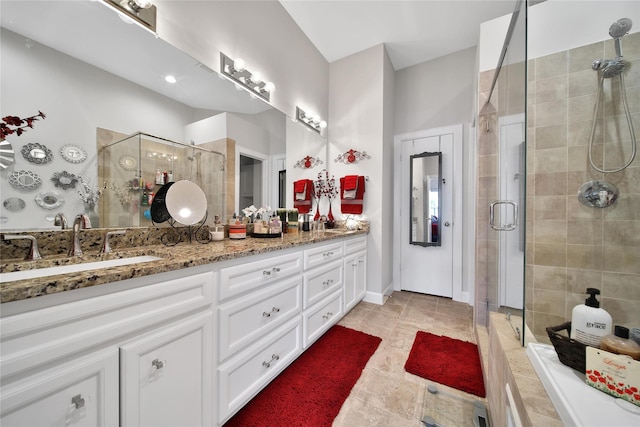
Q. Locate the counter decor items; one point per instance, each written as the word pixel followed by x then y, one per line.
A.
pixel 325 187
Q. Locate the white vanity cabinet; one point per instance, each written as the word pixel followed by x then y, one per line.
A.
pixel 92 361
pixel 355 270
pixel 83 392
pixel 166 376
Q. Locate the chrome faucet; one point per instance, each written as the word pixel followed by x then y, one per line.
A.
pixel 34 253
pixel 106 246
pixel 60 221
pixel 81 222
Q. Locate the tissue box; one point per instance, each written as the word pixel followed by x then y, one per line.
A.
pixel 613 374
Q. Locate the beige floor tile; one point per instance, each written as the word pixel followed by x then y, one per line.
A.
pixel 387 395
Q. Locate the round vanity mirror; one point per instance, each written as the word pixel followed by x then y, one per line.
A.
pixel 186 202
pixel 64 180
pixel 73 153
pixel 49 200
pixel 24 180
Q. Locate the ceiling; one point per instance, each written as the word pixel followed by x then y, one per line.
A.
pixel 412 31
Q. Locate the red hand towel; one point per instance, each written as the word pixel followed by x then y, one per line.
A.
pixel 352 206
pixel 350 182
pixel 298 186
pixel 304 205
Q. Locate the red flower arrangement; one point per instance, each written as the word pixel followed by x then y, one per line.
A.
pixel 325 187
pixel 14 124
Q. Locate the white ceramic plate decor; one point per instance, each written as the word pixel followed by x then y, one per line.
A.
pixel 37 153
pixel 73 153
pixel 7 156
pixel 186 202
pixel 49 200
pixel 24 180
pixel 128 163
pixel 14 204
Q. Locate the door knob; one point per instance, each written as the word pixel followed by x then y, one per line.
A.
pixel 446 223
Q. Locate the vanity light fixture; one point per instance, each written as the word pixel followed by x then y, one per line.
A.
pixel 311 121
pixel 236 71
pixel 142 12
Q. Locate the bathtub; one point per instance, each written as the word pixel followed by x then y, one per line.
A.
pixel 577 403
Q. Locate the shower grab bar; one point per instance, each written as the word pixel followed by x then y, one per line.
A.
pixel 503 227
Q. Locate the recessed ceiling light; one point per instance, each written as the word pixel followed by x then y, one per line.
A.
pixel 170 79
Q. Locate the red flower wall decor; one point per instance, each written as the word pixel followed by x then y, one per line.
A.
pixel 308 162
pixel 352 156
pixel 14 124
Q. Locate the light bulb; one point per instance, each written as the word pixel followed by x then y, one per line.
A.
pixel 269 87
pixel 144 4
pixel 239 65
pixel 256 77
pixel 323 124
pixel 170 79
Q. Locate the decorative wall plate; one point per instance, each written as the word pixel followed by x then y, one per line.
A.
pixel 37 153
pixel 14 204
pixel 7 156
pixel 73 153
pixel 49 200
pixel 24 180
pixel 64 179
pixel 128 163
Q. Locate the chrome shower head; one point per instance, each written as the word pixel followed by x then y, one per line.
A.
pixel 617 30
pixel 620 27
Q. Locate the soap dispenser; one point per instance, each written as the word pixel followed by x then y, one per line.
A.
pixel 589 322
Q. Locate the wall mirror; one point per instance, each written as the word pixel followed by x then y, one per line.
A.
pixel 115 80
pixel 426 195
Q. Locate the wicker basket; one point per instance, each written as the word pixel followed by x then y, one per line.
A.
pixel 570 352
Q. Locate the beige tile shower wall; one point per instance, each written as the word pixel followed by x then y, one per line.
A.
pixel 571 246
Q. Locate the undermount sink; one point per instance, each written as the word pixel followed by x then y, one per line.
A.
pixel 74 268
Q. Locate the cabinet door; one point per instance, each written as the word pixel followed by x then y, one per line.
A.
pixel 83 392
pixel 361 276
pixel 166 377
pixel 355 267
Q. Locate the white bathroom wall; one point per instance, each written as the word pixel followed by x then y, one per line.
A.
pixel 357 120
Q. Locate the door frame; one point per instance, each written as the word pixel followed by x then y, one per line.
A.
pixel 266 176
pixel 399 213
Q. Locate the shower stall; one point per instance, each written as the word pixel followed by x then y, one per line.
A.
pixel 133 168
pixel 580 112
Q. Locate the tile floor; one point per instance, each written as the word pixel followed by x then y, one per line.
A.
pixel 386 395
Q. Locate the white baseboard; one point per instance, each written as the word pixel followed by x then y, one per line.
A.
pixel 378 298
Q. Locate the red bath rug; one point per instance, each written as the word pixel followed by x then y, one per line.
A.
pixel 311 391
pixel 447 361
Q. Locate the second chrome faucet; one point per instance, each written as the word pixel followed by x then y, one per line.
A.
pixel 81 222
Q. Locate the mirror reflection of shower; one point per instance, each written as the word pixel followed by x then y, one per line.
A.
pixel 195 160
pixel 609 69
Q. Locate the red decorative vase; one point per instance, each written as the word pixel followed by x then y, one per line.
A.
pixel 330 215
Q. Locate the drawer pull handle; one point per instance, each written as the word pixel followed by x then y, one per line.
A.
pixel 266 273
pixel 354 265
pixel 157 364
pixel 275 269
pixel 327 316
pixel 274 357
pixel 327 283
pixel 327 254
pixel 77 401
pixel 273 311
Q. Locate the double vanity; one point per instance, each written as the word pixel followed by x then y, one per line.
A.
pixel 182 335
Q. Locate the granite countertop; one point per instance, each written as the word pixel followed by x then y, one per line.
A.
pixel 183 255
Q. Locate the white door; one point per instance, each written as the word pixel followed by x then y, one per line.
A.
pixel 432 269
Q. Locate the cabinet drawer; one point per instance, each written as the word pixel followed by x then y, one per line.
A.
pixel 244 321
pixel 318 319
pixel 245 375
pixel 355 245
pixel 83 392
pixel 246 277
pixel 322 255
pixel 321 281
pixel 38 337
pixel 166 376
